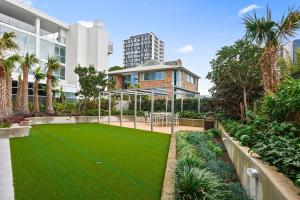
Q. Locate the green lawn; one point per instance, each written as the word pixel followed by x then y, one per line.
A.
pixel 89 161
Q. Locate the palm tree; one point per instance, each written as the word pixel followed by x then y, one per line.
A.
pixel 270 35
pixel 26 64
pixel 9 65
pixel 38 76
pixel 7 43
pixel 18 103
pixel 52 65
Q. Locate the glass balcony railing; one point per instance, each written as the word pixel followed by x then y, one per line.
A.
pixel 17 23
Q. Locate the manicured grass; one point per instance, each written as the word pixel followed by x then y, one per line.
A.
pixel 89 161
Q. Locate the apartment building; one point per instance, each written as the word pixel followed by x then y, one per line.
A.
pixel 45 36
pixel 153 74
pixel 140 48
pixel 289 49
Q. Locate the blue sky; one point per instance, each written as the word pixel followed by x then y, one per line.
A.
pixel 192 30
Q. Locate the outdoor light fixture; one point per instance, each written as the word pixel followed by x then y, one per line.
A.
pixel 253 173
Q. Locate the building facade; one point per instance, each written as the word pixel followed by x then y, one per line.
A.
pixel 40 34
pixel 140 48
pixel 289 50
pixel 153 74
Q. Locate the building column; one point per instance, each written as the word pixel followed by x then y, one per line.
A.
pixel 37 37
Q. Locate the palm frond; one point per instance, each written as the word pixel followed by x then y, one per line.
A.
pixel 38 75
pixel 289 24
pixel 10 63
pixel 52 65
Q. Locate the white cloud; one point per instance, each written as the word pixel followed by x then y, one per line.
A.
pixel 185 49
pixel 27 2
pixel 248 9
pixel 88 24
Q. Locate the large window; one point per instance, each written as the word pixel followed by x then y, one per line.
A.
pixel 190 79
pixel 154 76
pixel 49 49
pixel 25 42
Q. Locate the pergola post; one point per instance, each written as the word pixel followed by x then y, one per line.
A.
pixel 121 109
pixel 166 103
pixel 135 107
pixel 181 105
pixel 109 107
pixel 152 110
pixel 140 108
pixel 172 109
pixel 99 107
pixel 199 102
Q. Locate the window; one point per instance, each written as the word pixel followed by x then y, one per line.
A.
pixel 190 79
pixel 148 76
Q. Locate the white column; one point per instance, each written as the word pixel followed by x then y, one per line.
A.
pixel 172 109
pixel 37 37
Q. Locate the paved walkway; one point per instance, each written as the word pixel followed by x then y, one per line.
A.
pixel 6 178
pixel 161 129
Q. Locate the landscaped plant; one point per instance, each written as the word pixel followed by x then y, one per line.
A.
pixel 200 171
pixel 277 143
pixel 191 115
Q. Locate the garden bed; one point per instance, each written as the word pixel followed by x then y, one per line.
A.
pixel 270 185
pixel 203 169
pixel 191 122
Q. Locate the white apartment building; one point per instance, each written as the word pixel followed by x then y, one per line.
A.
pixel 43 35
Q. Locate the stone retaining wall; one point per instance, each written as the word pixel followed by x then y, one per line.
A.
pixel 270 184
pixel 14 132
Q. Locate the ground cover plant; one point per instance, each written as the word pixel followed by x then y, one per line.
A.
pixel 89 161
pixel 202 169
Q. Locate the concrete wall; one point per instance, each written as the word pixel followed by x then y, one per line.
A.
pixel 80 119
pixel 14 132
pixel 191 122
pixel 270 184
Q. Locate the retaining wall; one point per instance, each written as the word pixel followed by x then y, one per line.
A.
pixel 270 184
pixel 191 122
pixel 14 132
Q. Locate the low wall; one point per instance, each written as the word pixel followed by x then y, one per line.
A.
pixel 270 184
pixel 191 122
pixel 80 119
pixel 14 132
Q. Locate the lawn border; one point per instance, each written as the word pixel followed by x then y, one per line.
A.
pixel 168 189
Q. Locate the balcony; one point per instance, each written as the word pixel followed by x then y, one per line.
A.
pixel 16 23
pixel 110 48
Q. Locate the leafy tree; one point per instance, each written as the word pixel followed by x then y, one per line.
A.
pixel 91 82
pixel 52 66
pixel 115 68
pixel 270 34
pixel 236 75
pixel 7 43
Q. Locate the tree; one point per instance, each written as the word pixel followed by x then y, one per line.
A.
pixel 52 66
pixel 115 68
pixel 236 75
pixel 38 76
pixel 26 64
pixel 7 43
pixel 270 34
pixel 91 82
pixel 9 65
pixel 18 103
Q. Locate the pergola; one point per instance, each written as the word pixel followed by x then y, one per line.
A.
pixel 152 92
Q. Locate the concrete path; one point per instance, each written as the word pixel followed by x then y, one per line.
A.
pixel 6 177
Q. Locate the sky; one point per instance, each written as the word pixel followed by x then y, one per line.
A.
pixel 193 30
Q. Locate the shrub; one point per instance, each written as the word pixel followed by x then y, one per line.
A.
pixel 245 139
pixel 194 183
pixel 5 123
pixel 188 161
pixel 234 191
pixel 191 115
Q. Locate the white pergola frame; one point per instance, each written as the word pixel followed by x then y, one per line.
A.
pixel 153 92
